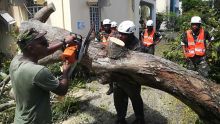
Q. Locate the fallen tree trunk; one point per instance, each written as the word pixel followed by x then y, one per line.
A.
pixel 200 94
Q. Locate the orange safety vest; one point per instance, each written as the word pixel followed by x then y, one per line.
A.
pixel 195 47
pixel 104 40
pixel 148 39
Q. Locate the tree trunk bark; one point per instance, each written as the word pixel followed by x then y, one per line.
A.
pixel 200 94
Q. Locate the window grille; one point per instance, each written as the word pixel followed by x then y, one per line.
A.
pixel 32 10
pixel 94 15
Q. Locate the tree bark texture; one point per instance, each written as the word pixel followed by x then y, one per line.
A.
pixel 200 94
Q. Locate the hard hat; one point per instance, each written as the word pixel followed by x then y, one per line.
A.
pixel 127 27
pixel 149 23
pixel 106 21
pixel 196 19
pixel 113 24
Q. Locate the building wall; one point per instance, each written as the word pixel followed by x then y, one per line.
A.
pixel 3 5
pixel 162 6
pixel 113 10
pixel 60 18
pixel 70 13
pixel 17 10
pixel 166 6
pixel 19 13
pixel 80 15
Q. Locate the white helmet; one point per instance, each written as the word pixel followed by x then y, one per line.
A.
pixel 149 23
pixel 106 21
pixel 196 19
pixel 127 27
pixel 113 24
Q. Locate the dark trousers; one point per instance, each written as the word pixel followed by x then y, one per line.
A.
pixel 123 91
pixel 149 49
pixel 199 64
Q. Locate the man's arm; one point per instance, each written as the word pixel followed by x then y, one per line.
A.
pixel 55 47
pixel 209 38
pixel 183 43
pixel 158 38
pixel 64 82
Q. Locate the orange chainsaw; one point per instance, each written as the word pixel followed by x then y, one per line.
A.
pixel 73 53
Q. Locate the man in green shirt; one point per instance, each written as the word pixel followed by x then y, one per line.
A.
pixel 32 82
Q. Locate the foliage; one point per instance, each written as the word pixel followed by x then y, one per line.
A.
pixel 61 110
pixel 171 19
pixel 55 69
pixel 69 105
pixel 210 21
pixel 4 63
pixel 175 54
pixel 159 20
pixel 7 116
pixel 188 5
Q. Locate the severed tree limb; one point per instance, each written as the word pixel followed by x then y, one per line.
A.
pixel 43 14
pixel 200 94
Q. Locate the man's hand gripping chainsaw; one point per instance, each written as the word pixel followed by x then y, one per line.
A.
pixel 73 53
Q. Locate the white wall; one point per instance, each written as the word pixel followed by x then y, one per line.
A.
pixel 120 10
pixel 117 10
pixel 162 6
pixel 60 18
pixel 78 11
pixel 68 13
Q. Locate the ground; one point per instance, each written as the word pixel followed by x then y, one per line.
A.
pixel 159 107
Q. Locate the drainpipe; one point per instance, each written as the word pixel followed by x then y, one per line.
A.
pixel 63 15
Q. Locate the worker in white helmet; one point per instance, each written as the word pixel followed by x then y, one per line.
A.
pixel 104 33
pixel 194 44
pixel 150 38
pixel 114 33
pixel 126 88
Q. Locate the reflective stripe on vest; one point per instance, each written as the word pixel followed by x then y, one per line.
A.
pixel 148 39
pixel 195 47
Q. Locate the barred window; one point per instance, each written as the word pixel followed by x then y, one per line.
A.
pixel 95 15
pixel 32 10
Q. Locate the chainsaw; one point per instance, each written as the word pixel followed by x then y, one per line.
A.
pixel 73 53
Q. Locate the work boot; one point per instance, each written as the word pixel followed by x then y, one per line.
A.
pixel 123 121
pixel 110 91
pixel 138 121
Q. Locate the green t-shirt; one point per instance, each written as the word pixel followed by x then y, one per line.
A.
pixel 31 84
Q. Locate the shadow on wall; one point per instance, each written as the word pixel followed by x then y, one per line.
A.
pixel 105 3
pixel 7 43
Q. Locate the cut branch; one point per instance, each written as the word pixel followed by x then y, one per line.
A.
pixel 43 14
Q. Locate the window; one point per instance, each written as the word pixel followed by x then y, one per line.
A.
pixel 95 15
pixel 32 10
pixel 33 7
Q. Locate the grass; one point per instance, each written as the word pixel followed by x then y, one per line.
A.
pixel 61 110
